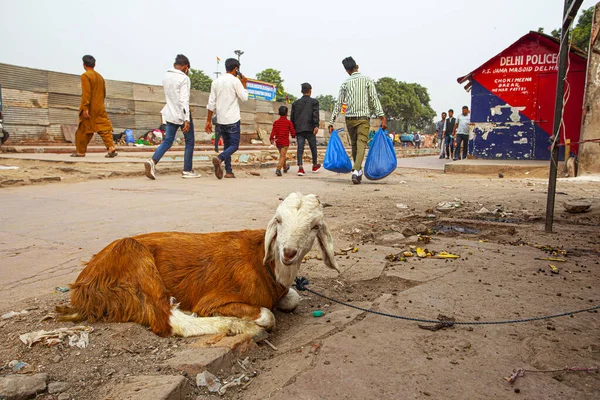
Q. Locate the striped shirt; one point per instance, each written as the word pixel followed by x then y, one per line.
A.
pixel 359 93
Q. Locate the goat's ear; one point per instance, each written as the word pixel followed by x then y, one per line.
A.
pixel 326 243
pixel 269 239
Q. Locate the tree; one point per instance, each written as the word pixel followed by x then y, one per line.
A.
pixel 405 102
pixel 326 102
pixel 580 34
pixel 200 81
pixel 273 76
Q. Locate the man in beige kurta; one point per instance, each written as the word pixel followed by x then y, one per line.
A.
pixel 92 113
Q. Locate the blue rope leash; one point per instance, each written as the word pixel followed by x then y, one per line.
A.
pixel 302 282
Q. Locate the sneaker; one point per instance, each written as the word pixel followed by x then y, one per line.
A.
pixel 231 175
pixel 278 172
pixel 218 168
pixel 316 167
pixel 190 174
pixel 300 171
pixel 150 169
pixel 356 178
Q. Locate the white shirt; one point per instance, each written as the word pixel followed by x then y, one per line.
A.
pixel 224 95
pixel 177 86
pixel 463 124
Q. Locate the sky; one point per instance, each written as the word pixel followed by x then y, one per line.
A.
pixel 430 42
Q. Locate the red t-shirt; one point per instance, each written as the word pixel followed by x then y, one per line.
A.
pixel 282 129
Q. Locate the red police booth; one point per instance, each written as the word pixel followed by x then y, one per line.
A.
pixel 512 100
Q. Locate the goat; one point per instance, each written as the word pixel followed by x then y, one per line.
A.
pixel 229 281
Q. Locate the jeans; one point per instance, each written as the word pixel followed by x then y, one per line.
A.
pixel 302 138
pixel 231 142
pixel 449 145
pixel 464 141
pixel 418 144
pixel 167 142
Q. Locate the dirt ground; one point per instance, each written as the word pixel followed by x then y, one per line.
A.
pixel 352 354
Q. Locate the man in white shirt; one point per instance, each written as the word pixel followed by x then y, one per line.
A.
pixel 176 114
pixel 462 134
pixel 225 94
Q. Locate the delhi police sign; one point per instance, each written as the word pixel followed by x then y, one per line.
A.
pixel 261 90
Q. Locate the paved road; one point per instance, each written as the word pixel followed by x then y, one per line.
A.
pixel 47 231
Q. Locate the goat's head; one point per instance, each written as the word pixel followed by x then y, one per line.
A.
pixel 292 232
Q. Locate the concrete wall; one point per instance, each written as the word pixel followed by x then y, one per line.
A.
pixel 589 153
pixel 38 104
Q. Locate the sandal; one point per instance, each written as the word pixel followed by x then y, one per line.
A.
pixel 111 155
pixel 75 154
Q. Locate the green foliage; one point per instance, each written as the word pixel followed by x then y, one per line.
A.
pixel 200 81
pixel 540 30
pixel 582 31
pixel 271 75
pixel 405 102
pixel 580 34
pixel 326 102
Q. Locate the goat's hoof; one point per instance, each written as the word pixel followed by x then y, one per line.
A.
pixel 290 301
pixel 266 319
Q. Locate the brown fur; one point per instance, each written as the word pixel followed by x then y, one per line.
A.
pixel 132 279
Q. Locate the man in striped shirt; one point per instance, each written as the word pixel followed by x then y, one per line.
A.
pixel 359 97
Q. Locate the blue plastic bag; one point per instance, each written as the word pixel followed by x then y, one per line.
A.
pixel 381 159
pixel 336 158
pixel 129 138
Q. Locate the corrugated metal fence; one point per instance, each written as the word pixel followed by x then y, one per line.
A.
pixel 37 104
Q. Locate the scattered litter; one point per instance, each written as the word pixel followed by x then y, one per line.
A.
pixel 446 322
pixel 235 382
pixel 244 158
pixel 424 238
pixel 421 253
pixel 325 205
pixel 17 365
pixel 208 380
pixel 449 204
pixel 553 268
pixel 245 363
pixel 402 206
pixel 459 229
pixel 7 167
pixel 78 336
pixel 500 175
pixel 318 313
pixel 14 314
pixel 254 173
pixel 395 257
pixel 521 372
pixel 443 254
pixel 484 210
pixel 47 317
pixel 62 289
pixel 550 259
pixel 408 254
pixel 271 345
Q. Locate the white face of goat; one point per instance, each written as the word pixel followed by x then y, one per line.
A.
pixel 292 232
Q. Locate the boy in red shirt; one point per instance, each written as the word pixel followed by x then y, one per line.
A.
pixel 280 136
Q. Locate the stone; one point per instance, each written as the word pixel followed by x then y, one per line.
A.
pixel 57 387
pixel 577 206
pixel 408 231
pixel 18 387
pixel 158 387
pixel 422 229
pixel 63 396
pixel 391 238
pixel 195 360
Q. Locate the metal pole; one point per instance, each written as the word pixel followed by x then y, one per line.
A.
pixel 569 13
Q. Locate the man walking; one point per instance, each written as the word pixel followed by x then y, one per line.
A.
pixel 357 96
pixel 440 130
pixel 449 135
pixel 418 140
pixel 462 134
pixel 305 117
pixel 92 113
pixel 225 94
pixel 176 113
